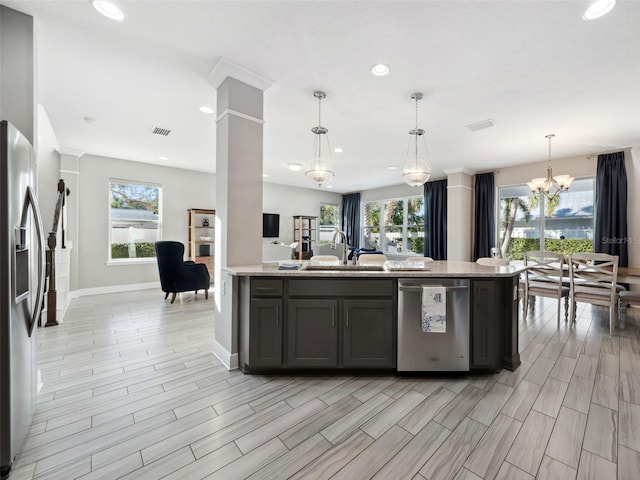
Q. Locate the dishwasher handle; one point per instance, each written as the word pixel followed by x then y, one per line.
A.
pixel 415 288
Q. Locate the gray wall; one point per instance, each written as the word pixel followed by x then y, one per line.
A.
pixel 18 72
pixel 181 190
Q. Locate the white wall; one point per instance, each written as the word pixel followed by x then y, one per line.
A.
pixel 293 201
pixel 394 191
pixel 181 190
pixel 575 166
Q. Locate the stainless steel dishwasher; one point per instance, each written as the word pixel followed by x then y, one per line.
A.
pixel 419 351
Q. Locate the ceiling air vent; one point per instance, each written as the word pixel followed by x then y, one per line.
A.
pixel 160 131
pixel 474 127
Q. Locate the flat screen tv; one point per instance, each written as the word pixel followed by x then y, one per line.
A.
pixel 270 225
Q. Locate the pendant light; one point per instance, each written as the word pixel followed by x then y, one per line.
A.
pixel 550 186
pixel 320 171
pixel 417 169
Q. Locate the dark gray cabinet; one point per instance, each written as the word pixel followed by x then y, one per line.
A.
pixel 494 324
pixel 485 346
pixel 368 333
pixel 265 340
pixel 312 333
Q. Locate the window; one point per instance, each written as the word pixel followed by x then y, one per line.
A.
pixel 329 221
pixel 134 220
pixel 564 225
pixel 394 226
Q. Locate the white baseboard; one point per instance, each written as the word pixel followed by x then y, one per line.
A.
pixel 81 292
pixel 229 360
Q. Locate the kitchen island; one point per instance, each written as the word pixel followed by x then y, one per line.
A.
pixel 347 318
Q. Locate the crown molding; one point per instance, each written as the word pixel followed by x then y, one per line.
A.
pixel 226 68
pixel 464 170
pixel 72 152
pixel 240 115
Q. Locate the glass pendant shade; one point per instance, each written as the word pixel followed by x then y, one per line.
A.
pixel 417 169
pixel 550 186
pixel 320 171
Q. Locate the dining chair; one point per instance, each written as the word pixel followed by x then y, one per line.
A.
pixel 543 278
pixel 626 298
pixel 493 262
pixel 593 278
pixel 372 258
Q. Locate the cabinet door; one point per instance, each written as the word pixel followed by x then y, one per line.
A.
pixel 312 328
pixel 265 341
pixel 485 344
pixel 368 339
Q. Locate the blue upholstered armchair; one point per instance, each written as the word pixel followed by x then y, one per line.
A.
pixel 176 275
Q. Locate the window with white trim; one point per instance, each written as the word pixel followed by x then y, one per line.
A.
pixel 394 226
pixel 329 221
pixel 564 224
pixel 135 219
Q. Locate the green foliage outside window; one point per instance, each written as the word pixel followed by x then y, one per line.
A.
pixel 518 246
pixel 135 197
pixel 329 215
pixel 416 245
pixel 143 250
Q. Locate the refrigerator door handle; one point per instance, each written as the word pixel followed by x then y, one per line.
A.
pixel 30 200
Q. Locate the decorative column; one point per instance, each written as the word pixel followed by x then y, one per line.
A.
pixel 459 214
pixel 238 232
pixel 70 172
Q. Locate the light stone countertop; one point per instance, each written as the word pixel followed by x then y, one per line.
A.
pixel 438 269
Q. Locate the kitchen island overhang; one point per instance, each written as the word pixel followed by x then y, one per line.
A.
pixel 345 320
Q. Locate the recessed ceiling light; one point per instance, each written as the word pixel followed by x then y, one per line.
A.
pixel 109 10
pixel 598 8
pixel 206 109
pixel 329 186
pixel 380 69
pixel 264 175
pixel 392 167
pixel 294 167
pixel 338 150
pixel 163 158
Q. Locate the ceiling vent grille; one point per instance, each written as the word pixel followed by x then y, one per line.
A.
pixel 160 131
pixel 474 127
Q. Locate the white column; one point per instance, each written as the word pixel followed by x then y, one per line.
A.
pixel 459 214
pixel 238 233
pixel 70 172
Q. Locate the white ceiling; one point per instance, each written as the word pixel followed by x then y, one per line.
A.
pixel 533 67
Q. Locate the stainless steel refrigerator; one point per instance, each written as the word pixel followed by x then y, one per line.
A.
pixel 21 290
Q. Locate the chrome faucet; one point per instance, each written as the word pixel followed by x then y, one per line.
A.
pixel 336 234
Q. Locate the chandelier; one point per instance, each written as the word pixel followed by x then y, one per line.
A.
pixel 320 171
pixel 416 169
pixel 550 186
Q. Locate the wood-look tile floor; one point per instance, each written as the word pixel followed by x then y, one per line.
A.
pixel 131 390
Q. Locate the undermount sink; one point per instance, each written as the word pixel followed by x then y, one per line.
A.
pixel 374 268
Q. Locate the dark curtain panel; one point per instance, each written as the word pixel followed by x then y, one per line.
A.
pixel 485 216
pixel 435 220
pixel 611 207
pixel 351 218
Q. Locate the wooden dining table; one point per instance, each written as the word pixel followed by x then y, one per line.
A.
pixel 630 275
